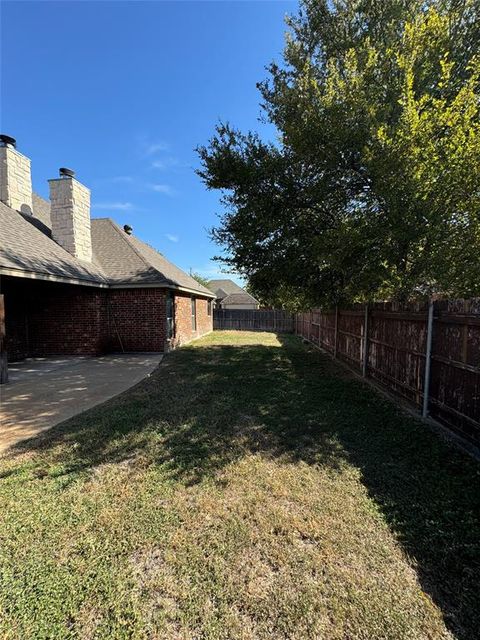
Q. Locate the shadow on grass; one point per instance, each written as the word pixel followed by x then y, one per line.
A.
pixel 206 406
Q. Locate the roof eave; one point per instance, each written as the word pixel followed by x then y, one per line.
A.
pixel 36 275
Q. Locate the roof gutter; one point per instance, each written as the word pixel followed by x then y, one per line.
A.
pixel 150 285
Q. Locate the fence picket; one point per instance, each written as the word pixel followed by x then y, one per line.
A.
pixel 387 342
pixel 275 320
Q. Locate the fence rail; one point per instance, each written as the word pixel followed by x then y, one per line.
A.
pixel 389 343
pixel 254 320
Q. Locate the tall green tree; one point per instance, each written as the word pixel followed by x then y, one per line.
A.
pixel 200 279
pixel 372 189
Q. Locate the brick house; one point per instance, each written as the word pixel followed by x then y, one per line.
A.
pixel 73 285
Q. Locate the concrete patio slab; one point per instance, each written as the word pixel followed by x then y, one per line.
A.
pixel 45 391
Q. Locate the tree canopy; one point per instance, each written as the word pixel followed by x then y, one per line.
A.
pixel 372 189
pixel 200 279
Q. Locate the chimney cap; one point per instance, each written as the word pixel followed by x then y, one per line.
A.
pixel 66 173
pixel 128 229
pixel 7 141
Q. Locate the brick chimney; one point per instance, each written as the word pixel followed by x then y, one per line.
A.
pixel 15 176
pixel 70 215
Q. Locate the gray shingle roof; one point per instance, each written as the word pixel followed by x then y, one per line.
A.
pixel 222 288
pixel 229 292
pixel 118 259
pixel 125 259
pixel 41 211
pixel 239 298
pixel 26 248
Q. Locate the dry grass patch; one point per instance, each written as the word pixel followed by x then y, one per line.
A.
pixel 290 552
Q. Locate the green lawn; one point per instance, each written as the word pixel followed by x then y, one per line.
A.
pixel 250 488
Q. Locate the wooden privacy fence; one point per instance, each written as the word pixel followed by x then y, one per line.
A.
pixel 437 370
pixel 254 320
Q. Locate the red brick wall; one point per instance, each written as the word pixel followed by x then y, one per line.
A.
pixel 16 338
pixel 68 321
pixel 138 316
pixel 48 319
pixel 183 318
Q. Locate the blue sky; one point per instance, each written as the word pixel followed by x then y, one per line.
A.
pixel 122 92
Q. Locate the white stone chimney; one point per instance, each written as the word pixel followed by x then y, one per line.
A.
pixel 15 176
pixel 70 215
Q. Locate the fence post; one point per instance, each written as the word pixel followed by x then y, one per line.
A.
pixel 428 353
pixel 365 343
pixel 336 332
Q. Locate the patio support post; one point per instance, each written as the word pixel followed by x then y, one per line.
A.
pixel 428 353
pixel 365 343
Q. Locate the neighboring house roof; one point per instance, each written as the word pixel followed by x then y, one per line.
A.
pixel 119 259
pixel 224 286
pixel 239 298
pixel 221 294
pixel 225 289
pixel 25 249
